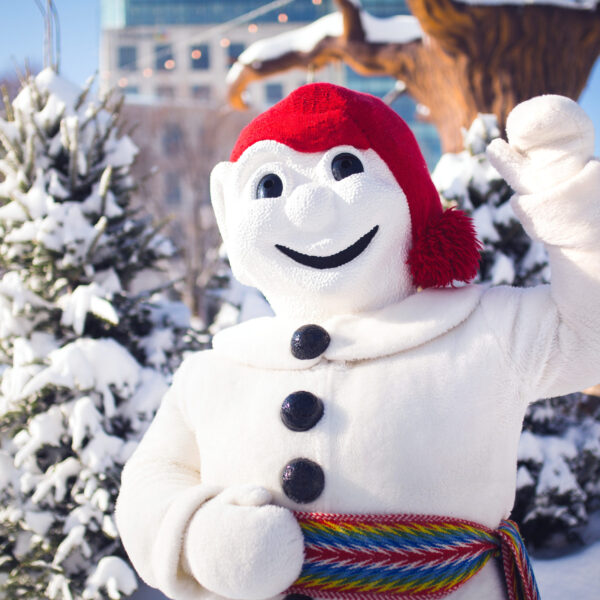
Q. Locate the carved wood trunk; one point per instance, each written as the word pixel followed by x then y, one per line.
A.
pixel 488 59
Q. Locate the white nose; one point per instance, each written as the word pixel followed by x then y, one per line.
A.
pixel 311 207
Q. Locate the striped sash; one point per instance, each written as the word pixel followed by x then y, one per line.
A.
pixel 405 557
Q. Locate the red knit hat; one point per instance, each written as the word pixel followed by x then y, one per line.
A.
pixel 319 116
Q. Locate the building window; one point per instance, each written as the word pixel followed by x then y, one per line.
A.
pixel 130 90
pixel 127 58
pixel 201 93
pixel 273 92
pixel 233 51
pixel 172 139
pixel 200 57
pixel 165 91
pixel 164 60
pixel 172 189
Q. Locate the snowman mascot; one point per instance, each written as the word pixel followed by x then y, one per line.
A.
pixel 362 443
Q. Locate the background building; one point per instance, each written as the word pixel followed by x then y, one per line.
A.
pixel 182 49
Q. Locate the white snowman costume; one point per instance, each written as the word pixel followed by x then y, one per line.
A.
pixel 418 397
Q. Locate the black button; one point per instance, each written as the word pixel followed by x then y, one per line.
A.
pixel 309 342
pixel 302 480
pixel 297 597
pixel 301 410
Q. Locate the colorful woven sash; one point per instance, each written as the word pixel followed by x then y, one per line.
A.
pixel 405 557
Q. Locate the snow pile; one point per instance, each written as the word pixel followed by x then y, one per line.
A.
pixel 575 576
pixel 83 362
pixel 400 29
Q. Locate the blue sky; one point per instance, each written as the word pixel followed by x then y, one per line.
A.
pixel 22 37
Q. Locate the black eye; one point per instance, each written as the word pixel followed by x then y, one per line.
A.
pixel 344 165
pixel 270 186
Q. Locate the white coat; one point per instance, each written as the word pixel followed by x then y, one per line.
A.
pixel 423 402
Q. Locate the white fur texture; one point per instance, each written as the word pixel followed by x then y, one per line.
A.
pixel 315 215
pixel 256 550
pixel 424 397
pixel 550 140
pixel 265 342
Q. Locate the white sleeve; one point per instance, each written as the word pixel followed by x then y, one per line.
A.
pixel 551 334
pixel 161 489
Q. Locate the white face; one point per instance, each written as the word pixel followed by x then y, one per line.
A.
pixel 319 233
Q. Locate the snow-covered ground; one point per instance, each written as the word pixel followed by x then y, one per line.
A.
pixel 574 577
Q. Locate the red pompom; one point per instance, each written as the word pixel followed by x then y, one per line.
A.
pixel 445 250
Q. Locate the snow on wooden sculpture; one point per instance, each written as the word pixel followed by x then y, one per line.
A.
pixel 457 59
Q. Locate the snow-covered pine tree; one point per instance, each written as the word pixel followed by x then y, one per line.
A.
pixel 84 361
pixel 559 453
pixel 232 302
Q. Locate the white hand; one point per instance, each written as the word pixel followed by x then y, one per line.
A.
pixel 240 547
pixel 550 139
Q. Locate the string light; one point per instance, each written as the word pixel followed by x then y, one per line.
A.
pixel 225 43
pixel 169 64
pixel 317 2
pixel 147 72
pixel 282 18
pixel 196 54
pixel 253 28
pixel 122 82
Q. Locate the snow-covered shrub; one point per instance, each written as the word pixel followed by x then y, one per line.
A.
pixel 231 301
pixel 559 456
pixel 83 361
pixel 468 179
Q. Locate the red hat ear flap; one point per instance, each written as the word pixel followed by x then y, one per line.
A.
pixel 445 250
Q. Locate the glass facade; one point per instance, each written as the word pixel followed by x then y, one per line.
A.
pixel 163 57
pixel 386 8
pixel 128 13
pixel 172 139
pixel 187 12
pixel 165 91
pixel 172 189
pixel 273 92
pixel 127 58
pixel 200 57
pixel 202 93
pixel 234 50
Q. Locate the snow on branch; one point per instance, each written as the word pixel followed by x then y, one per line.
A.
pixel 397 30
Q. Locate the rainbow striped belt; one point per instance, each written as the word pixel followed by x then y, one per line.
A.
pixel 405 557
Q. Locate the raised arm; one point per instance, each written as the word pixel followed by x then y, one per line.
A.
pixel 552 333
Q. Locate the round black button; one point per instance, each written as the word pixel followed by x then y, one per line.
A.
pixel 309 341
pixel 297 597
pixel 301 410
pixel 302 480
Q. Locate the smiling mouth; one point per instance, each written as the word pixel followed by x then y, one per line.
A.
pixel 333 260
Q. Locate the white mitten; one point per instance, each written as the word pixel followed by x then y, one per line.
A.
pixel 241 547
pixel 550 139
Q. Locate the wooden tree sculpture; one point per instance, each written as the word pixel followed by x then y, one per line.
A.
pixel 468 59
